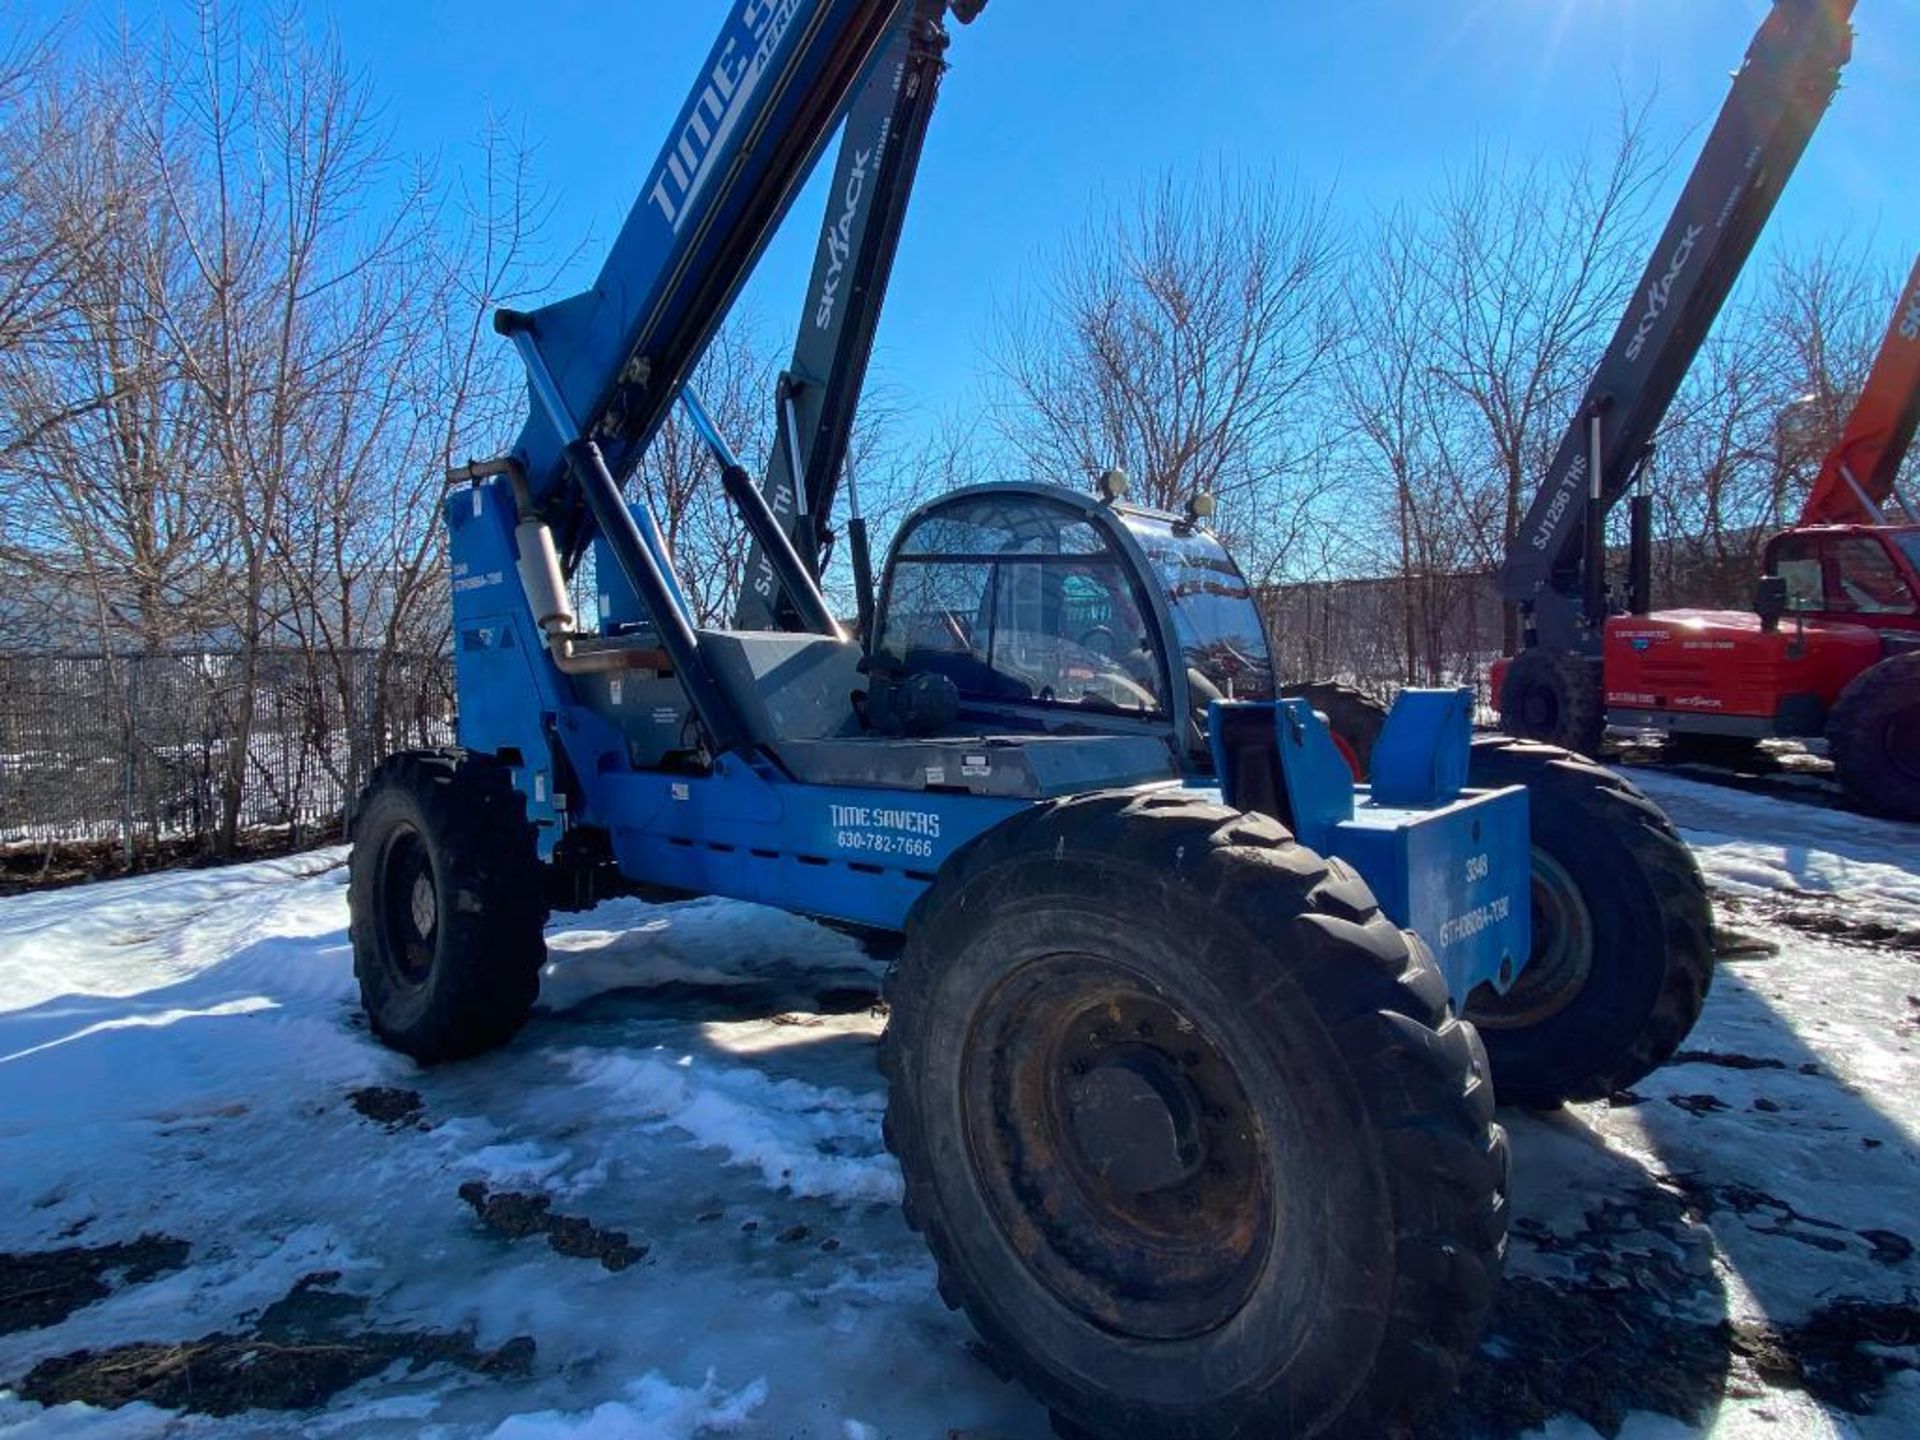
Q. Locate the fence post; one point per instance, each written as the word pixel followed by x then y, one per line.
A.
pixel 370 670
pixel 129 742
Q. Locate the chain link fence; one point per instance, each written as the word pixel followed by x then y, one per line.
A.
pixel 1382 634
pixel 1448 627
pixel 148 750
pixel 152 751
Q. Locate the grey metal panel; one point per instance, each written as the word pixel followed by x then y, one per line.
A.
pixel 786 686
pixel 794 693
pixel 1012 766
pixel 1066 764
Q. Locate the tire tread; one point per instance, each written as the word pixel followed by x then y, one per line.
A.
pixel 1383 998
pixel 1680 896
pixel 467 804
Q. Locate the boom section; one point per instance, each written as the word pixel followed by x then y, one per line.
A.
pixel 818 394
pixel 1783 87
pixel 774 86
pixel 1856 479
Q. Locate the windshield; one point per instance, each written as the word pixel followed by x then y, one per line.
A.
pixel 1215 619
pixel 1845 574
pixel 1017 598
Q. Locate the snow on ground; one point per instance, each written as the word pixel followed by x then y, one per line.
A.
pixel 714 1246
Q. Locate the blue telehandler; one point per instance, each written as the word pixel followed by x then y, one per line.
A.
pixel 1177 1082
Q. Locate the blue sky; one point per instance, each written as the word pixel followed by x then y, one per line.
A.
pixel 1050 106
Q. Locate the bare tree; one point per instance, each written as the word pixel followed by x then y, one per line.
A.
pixel 425 383
pixel 1415 510
pixel 1822 312
pixel 264 154
pixel 1760 408
pixel 34 259
pixel 238 354
pixel 1531 262
pixel 255 343
pixel 109 440
pixel 1475 321
pixel 105 439
pixel 680 477
pixel 1180 335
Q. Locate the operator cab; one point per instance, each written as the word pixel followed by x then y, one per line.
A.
pixel 1051 610
pixel 1856 573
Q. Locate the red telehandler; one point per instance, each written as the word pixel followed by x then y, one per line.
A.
pixel 1847 579
pixel 1831 648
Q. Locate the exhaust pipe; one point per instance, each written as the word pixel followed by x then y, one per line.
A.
pixel 543 581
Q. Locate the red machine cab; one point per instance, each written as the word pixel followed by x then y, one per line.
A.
pixel 1740 673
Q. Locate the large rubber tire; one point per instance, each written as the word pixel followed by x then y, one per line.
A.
pixel 1189 1127
pixel 446 903
pixel 1355 718
pixel 1553 696
pixel 1622 934
pixel 1873 736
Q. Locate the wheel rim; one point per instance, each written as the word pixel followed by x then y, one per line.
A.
pixel 1540 709
pixel 1900 740
pixel 409 906
pixel 1559 962
pixel 1117 1149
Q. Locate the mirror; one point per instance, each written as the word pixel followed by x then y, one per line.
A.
pixel 1770 600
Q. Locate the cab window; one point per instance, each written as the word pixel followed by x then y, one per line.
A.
pixel 1797 561
pixel 1215 620
pixel 1862 579
pixel 1842 575
pixel 1016 599
pixel 936 620
pixel 1071 633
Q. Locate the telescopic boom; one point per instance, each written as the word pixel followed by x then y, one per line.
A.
pixel 816 398
pixel 1856 480
pixel 1556 562
pixel 776 83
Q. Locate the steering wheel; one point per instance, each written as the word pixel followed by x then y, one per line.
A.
pixel 1866 602
pixel 1108 644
